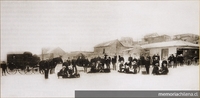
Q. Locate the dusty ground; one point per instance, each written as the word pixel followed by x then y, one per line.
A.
pixel 34 85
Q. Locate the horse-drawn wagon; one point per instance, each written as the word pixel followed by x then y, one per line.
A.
pixel 24 63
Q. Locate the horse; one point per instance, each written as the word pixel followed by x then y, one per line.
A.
pixel 51 64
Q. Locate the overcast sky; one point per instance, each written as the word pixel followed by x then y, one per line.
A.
pixel 80 25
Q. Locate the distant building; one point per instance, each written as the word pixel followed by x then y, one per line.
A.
pixel 193 38
pixel 49 53
pixel 164 49
pixel 110 48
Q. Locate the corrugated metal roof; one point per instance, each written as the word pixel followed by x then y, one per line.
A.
pixel 175 43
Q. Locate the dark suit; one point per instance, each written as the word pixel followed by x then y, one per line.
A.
pixel 114 61
pixel 46 69
pixel 74 63
pixel 147 65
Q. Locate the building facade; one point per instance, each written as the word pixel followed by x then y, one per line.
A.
pixel 110 48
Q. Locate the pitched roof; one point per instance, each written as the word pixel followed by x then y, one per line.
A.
pixel 57 51
pixel 175 43
pixel 105 44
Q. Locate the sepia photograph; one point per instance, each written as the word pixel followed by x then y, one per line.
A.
pixel 54 49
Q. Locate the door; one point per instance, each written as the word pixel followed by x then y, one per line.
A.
pixel 164 54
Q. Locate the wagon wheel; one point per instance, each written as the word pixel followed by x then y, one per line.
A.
pixel 21 70
pixel 11 71
pixel 28 70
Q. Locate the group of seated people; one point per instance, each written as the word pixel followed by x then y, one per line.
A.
pixel 133 67
pixel 129 67
pixel 99 67
pixel 67 72
pixel 163 70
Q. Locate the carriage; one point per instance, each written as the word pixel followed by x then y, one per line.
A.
pixel 24 63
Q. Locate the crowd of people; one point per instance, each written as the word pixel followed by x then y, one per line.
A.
pixel 104 62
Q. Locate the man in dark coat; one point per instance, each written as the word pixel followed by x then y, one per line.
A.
pixel 142 60
pixel 130 59
pixel 121 63
pixel 69 61
pixel 181 59
pixel 114 61
pixel 103 61
pixel 85 64
pixel 46 69
pixel 74 63
pixel 171 61
pixel 108 60
pixel 93 65
pixel 3 66
pixel 147 64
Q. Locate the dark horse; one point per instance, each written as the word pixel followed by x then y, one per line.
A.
pixel 51 63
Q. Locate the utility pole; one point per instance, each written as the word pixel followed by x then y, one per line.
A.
pixel 42 55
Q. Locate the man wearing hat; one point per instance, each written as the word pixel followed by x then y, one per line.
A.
pixel 147 64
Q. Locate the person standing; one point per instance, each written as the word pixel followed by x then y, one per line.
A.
pixel 108 60
pixel 74 63
pixel 114 61
pixel 171 61
pixel 121 61
pixel 4 67
pixel 142 60
pixel 85 64
pixel 130 59
pixel 181 60
pixel 46 69
pixel 147 64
